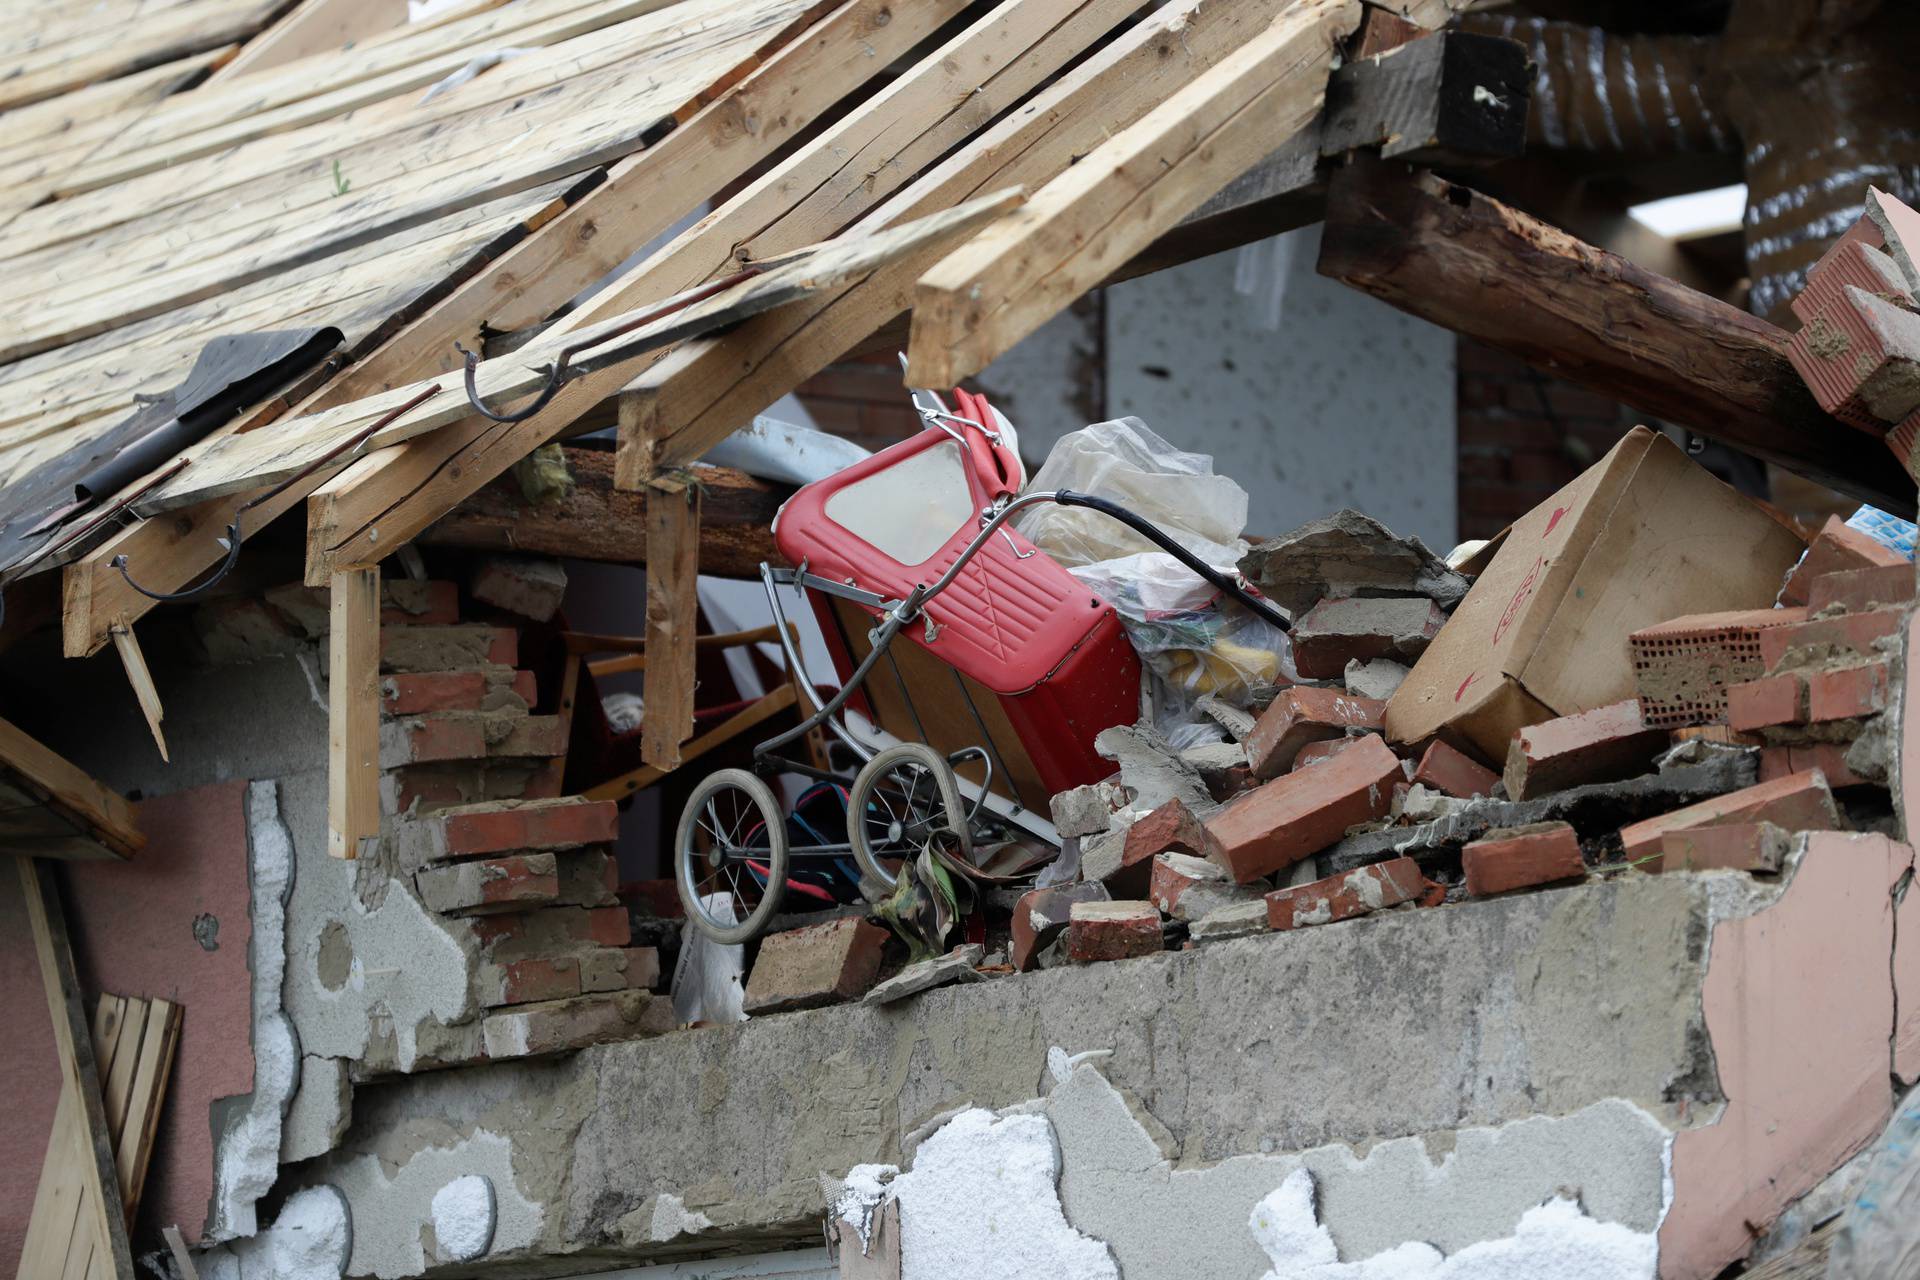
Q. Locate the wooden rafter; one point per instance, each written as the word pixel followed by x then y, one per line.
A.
pixel 1081 226
pixel 1468 263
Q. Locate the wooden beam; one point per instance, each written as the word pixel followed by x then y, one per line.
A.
pixel 726 731
pixel 144 692
pixel 595 521
pixel 96 808
pixel 1454 257
pixel 314 26
pixel 79 1071
pixel 382 501
pixel 1080 227
pixel 353 711
pixel 673 549
pixel 701 392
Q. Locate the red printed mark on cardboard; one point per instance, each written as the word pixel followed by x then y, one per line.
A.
pixel 1520 597
pixel 1461 692
pixel 1554 519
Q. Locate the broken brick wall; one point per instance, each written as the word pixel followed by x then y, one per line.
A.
pixel 1522 436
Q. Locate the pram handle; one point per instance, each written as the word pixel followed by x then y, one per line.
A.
pixel 1154 534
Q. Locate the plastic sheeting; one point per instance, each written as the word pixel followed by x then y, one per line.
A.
pixel 1192 642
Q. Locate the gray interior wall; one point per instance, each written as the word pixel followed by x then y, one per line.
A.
pixel 1312 395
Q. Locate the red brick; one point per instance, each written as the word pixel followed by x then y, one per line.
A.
pixel 426 739
pixel 490 884
pixel 1682 667
pixel 419 603
pixel 1172 826
pixel 529 586
pixel 1290 818
pixel 1336 632
pixel 1315 752
pixel 1112 931
pixel 562 926
pixel 504 825
pixel 537 978
pixel 1848 633
pixel 556 1026
pixel 1187 888
pixel 1605 744
pixel 1858 590
pixel 1715 733
pixel 1303 714
pixel 419 647
pixel 1768 701
pixel 1847 694
pixel 1830 758
pixel 1737 846
pixel 1799 802
pixel 620 969
pixel 1345 897
pixel 1836 548
pixel 411 693
pixel 820 964
pixel 1041 915
pixel 1521 858
pixel 1452 773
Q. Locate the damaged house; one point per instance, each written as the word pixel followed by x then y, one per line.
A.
pixel 897 639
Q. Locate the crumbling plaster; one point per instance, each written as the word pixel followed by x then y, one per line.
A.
pixel 1275 1043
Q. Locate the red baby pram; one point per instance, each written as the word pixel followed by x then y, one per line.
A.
pixel 1011 670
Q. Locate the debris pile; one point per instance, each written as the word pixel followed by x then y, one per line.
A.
pixel 1648 673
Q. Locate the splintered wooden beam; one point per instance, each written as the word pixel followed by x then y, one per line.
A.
pixel 144 691
pixel 595 521
pixel 378 504
pixel 701 392
pixel 93 808
pixel 99 1211
pixel 673 550
pixel 1471 264
pixel 1080 227
pixel 353 711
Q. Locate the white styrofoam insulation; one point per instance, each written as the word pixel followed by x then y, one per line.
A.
pixel 247 1157
pixel 308 1241
pixel 1553 1239
pixel 463 1218
pixel 981 1202
pixel 387 1231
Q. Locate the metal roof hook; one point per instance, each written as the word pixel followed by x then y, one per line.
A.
pixel 554 373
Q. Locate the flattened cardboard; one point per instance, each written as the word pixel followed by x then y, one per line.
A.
pixel 1642 536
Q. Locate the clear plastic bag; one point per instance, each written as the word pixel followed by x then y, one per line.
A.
pixel 1192 642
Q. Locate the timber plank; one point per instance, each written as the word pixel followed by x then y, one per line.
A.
pixel 96 808
pixel 353 712
pixel 673 568
pixel 79 1069
pixel 1013 277
pixel 359 517
pixel 701 392
pixel 98 50
pixel 246 461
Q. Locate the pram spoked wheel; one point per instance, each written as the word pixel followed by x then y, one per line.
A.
pixel 730 856
pixel 902 796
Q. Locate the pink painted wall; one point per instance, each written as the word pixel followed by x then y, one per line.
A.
pixel 133 935
pixel 29 1070
pixel 1799 1003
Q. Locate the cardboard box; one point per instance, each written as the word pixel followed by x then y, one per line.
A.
pixel 1642 536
